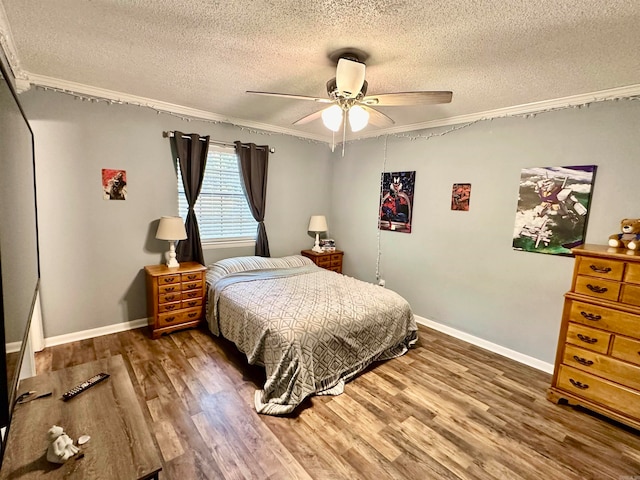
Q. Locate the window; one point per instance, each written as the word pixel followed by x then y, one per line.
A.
pixel 222 210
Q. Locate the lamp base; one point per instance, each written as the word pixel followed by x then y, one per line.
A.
pixel 171 255
pixel 317 248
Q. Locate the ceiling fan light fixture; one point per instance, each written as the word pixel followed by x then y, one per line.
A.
pixel 358 118
pixel 349 77
pixel 332 118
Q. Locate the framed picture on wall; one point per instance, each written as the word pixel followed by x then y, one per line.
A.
pixel 553 208
pixel 460 196
pixel 396 201
pixel 114 184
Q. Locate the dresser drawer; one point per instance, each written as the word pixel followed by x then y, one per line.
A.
pixel 601 268
pixel 192 285
pixel 166 279
pixel 324 262
pixel 336 257
pixel 172 287
pixel 632 275
pixel 589 338
pixel 626 349
pixel 616 397
pixel 605 318
pixel 169 297
pixel 192 303
pixel 169 319
pixel 630 294
pixel 597 287
pixel 603 366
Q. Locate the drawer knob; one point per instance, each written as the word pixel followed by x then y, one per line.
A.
pixel 596 288
pixel 169 289
pixel 580 385
pixel 587 339
pixel 591 316
pixel 583 361
pixel 598 269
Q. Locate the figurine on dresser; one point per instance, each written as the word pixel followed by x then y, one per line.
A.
pixel 61 447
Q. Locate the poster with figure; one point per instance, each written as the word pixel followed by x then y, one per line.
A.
pixel 396 201
pixel 114 184
pixel 460 196
pixel 553 207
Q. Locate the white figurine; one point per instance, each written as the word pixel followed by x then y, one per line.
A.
pixel 61 447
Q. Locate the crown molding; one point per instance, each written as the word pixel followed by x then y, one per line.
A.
pixel 516 110
pixel 534 108
pixel 111 96
pixel 9 51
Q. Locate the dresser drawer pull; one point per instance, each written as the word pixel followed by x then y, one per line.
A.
pixel 580 385
pixel 586 339
pixel 192 277
pixel 190 286
pixel 583 361
pixel 169 319
pixel 192 304
pixel 169 289
pixel 596 288
pixel 193 314
pixel 591 316
pixel 169 307
pixel 169 297
pixel 169 279
pixel 598 269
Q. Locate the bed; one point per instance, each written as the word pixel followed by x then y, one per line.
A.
pixel 311 329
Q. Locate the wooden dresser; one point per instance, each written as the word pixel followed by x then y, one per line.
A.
pixel 329 260
pixel 598 357
pixel 175 297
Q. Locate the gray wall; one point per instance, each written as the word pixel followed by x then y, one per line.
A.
pixel 458 268
pixel 93 250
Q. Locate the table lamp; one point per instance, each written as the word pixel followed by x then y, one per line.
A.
pixel 171 229
pixel 317 224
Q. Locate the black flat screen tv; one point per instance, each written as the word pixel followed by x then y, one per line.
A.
pixel 19 258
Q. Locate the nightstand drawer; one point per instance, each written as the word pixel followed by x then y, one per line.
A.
pixel 191 295
pixel 605 318
pixel 169 319
pixel 626 349
pixel 595 267
pixel 323 262
pixel 191 285
pixel 336 257
pixel 172 287
pixel 596 287
pixel 169 297
pixel 190 277
pixel 166 279
pixel 169 307
pixel 616 397
pixel 589 338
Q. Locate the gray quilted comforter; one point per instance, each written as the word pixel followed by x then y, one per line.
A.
pixel 310 328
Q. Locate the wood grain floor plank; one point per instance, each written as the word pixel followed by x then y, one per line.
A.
pixel 445 410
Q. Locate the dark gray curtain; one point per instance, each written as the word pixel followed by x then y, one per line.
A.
pixel 191 151
pixel 254 161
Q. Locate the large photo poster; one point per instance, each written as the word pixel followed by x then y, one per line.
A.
pixel 396 201
pixel 553 207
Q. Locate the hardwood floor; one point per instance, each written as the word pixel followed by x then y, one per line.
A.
pixel 445 410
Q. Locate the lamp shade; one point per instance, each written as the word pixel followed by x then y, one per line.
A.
pixel 171 228
pixel 358 118
pixel 318 223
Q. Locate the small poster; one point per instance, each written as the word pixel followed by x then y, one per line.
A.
pixel 396 201
pixel 553 206
pixel 114 184
pixel 460 196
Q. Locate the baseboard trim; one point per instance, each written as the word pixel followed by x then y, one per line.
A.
pixel 492 347
pixel 94 332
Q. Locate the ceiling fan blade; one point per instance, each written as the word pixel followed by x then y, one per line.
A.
pixel 407 98
pixel 309 118
pixel 378 118
pixel 293 97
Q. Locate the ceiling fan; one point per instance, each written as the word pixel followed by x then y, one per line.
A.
pixel 347 94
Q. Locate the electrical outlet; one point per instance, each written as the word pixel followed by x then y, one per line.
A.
pixel 381 282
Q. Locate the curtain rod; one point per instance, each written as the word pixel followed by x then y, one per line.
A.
pixel 214 142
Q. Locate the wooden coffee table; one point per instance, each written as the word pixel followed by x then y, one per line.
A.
pixel 121 446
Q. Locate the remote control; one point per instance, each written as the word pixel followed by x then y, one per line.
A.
pixel 90 382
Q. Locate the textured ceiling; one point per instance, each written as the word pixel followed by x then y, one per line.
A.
pixel 206 54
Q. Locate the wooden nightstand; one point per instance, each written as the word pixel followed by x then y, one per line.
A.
pixel 175 297
pixel 329 260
